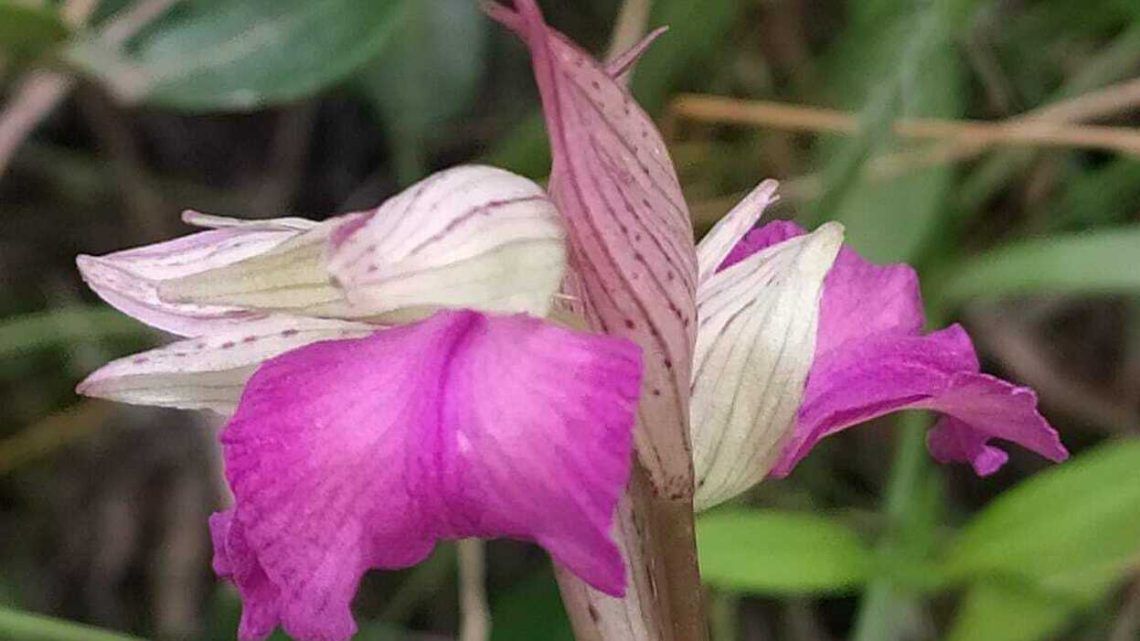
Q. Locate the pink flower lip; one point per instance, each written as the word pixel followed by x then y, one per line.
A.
pixel 346 455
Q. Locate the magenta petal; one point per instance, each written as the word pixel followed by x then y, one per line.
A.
pixel 860 298
pixel 978 407
pixel 872 359
pixel 355 454
pixel 891 372
pixel 631 241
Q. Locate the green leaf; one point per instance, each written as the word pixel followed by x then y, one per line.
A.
pixel 1027 610
pixel 428 74
pixel 28 30
pixel 54 328
pixel 245 55
pixel 1009 612
pixel 777 553
pixel 16 625
pixel 1075 521
pixel 1086 263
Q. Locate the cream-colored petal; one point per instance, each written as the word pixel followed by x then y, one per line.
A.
pixel 292 278
pixel 213 221
pixel 727 232
pixel 209 372
pixel 130 279
pixel 755 343
pixel 472 236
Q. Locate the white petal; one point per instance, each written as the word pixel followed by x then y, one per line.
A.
pixel 292 278
pixel 755 343
pixel 719 241
pixel 471 236
pixel 129 280
pixel 209 372
pixel 213 221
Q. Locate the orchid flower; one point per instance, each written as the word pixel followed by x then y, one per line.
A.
pixel 391 384
pixel 391 381
pixel 795 337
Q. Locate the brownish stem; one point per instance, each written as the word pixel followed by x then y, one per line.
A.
pixel 663 600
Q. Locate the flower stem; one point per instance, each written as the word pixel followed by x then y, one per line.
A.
pixel 911 510
pixel 475 622
pixel 23 626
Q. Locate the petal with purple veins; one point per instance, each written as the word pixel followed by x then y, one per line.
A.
pixel 472 236
pixel 468 237
pixel 727 233
pixel 632 258
pixel 754 350
pixel 129 280
pixel 209 372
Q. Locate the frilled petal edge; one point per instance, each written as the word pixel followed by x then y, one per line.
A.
pixel 939 371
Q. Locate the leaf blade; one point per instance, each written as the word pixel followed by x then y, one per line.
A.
pixel 779 553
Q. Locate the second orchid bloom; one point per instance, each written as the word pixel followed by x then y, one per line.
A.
pixel 411 373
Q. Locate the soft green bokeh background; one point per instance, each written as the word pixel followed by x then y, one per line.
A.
pixel 261 107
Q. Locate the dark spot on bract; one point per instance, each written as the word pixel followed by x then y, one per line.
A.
pixel 249 339
pixel 290 332
pixel 228 344
pixel 630 324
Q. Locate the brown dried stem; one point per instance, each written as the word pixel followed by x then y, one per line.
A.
pixel 1035 132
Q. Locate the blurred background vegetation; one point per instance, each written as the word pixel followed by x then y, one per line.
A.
pixel 991 143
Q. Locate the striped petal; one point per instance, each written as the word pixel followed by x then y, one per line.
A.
pixel 130 280
pixel 719 242
pixel 631 242
pixel 755 343
pixel 472 236
pixel 291 278
pixel 209 372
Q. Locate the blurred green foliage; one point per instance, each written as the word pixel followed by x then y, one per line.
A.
pixel 27 30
